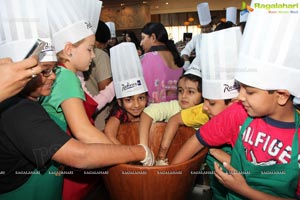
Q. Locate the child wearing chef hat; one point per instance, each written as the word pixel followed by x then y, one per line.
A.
pixel 262 127
pixel 130 86
pixel 73 24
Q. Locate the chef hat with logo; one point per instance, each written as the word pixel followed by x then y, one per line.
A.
pixel 112 28
pixel 231 14
pixel 204 13
pixel 127 70
pixel 23 22
pixel 219 55
pixel 72 20
pixel 269 56
pixel 48 54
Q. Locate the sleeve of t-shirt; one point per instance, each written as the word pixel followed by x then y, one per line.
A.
pixel 66 86
pixel 162 111
pixel 223 128
pixel 194 116
pixel 33 133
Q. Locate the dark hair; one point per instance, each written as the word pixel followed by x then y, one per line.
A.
pixel 134 39
pixel 31 86
pixel 102 33
pixel 161 34
pixel 223 25
pixel 192 78
pixel 227 101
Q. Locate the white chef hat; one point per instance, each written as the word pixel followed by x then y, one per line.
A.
pixel 48 54
pixel 204 13
pixel 23 22
pixel 269 57
pixel 231 14
pixel 243 15
pixel 127 70
pixel 112 28
pixel 72 20
pixel 195 67
pixel 219 56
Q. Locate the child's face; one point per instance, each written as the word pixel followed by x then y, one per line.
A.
pixel 83 54
pixel 188 94
pixel 134 105
pixel 257 102
pixel 214 107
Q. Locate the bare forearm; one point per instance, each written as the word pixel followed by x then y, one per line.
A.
pixel 220 155
pixel 144 128
pixel 170 132
pixel 91 134
pixel 188 150
pixel 88 156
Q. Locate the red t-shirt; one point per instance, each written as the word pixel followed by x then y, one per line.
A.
pixel 266 141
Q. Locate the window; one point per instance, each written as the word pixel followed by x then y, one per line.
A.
pixel 176 32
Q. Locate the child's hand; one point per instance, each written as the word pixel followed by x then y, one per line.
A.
pixel 162 162
pixel 233 180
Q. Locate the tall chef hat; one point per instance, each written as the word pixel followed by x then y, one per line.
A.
pixel 269 57
pixel 22 23
pixel 127 70
pixel 231 14
pixel 219 56
pixel 112 28
pixel 204 13
pixel 72 20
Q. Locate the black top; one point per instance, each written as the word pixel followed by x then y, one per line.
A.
pixel 28 140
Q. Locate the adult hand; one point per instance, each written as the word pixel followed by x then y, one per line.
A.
pixel 14 76
pixel 149 159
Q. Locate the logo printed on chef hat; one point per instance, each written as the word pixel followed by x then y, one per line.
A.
pixel 231 14
pixel 48 54
pixel 112 28
pixel 23 22
pixel 204 13
pixel 269 57
pixel 219 55
pixel 127 70
pixel 72 20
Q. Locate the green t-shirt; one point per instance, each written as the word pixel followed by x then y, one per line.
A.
pixel 66 86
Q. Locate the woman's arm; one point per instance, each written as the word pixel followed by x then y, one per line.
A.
pixel 79 123
pixel 111 129
pixel 88 156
